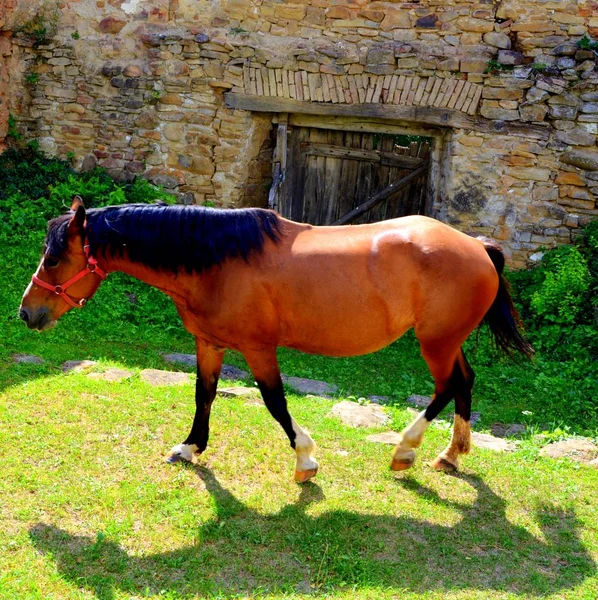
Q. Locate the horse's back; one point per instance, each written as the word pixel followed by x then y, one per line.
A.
pixel 351 290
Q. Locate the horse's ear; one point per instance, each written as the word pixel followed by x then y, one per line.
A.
pixel 76 225
pixel 77 202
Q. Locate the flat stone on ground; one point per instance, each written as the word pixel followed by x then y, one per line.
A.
pixel 391 438
pixel 231 373
pixel 310 386
pixel 578 449
pixel 157 377
pixel 112 374
pixel 489 442
pixel 505 430
pixel 78 365
pixel 357 415
pixel 237 392
pixel 228 372
pixel 421 401
pixel 27 359
pixel 188 360
pixel 379 399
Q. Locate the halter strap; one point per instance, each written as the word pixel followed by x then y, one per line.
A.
pixel 60 290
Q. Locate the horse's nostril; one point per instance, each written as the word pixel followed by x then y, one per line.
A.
pixel 24 315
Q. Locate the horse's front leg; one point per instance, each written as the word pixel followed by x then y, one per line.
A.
pixel 209 363
pixel 264 366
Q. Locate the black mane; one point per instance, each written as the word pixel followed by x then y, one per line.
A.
pixel 171 238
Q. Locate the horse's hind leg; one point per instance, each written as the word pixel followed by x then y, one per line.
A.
pixel 264 367
pixel 447 365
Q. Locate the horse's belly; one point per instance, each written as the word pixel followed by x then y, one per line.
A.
pixel 331 336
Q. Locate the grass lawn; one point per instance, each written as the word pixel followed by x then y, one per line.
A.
pixel 90 509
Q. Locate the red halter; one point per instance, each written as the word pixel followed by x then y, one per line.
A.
pixel 60 290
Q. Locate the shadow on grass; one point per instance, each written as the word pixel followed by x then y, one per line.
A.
pixel 242 551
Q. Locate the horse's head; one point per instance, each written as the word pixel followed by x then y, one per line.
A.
pixel 66 264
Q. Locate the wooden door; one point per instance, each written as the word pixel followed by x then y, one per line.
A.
pixel 331 176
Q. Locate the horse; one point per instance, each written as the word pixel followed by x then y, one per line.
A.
pixel 251 280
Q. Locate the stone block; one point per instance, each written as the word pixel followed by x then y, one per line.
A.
pixel 499 114
pixel 535 94
pixel 584 159
pixel 576 137
pixel 545 193
pixel 509 57
pixel 338 12
pixel 529 174
pixel 533 112
pixel 475 25
pixel 396 19
pixel 471 141
pixel 566 178
pixel 562 112
pixel 495 93
pixel 473 65
pixel 111 24
pixel 497 39
pixel 293 12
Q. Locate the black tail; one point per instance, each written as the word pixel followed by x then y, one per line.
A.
pixel 502 317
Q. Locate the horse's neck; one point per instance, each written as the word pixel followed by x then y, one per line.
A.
pixel 169 283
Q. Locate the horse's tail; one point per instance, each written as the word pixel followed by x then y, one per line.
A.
pixel 502 317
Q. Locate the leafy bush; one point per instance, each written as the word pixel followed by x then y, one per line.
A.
pixel 557 299
pixel 564 293
pixel 35 189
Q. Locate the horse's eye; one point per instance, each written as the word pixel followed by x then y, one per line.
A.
pixel 51 262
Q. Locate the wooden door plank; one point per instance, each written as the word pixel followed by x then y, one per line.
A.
pixel 375 156
pixel 381 195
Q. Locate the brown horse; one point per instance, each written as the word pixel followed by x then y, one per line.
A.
pixel 252 281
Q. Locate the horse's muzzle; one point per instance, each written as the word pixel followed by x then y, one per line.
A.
pixel 39 319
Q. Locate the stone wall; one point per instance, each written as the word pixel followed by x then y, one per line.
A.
pixel 139 88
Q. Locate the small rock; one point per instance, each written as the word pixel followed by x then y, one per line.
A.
pixel 475 417
pixel 489 442
pixel 577 449
pixel 509 57
pixel 28 359
pixel 566 49
pixel 421 401
pixel 310 386
pixel 503 430
pixel 111 24
pixel 227 372
pixel 379 399
pixel 112 374
pixel 157 377
pixel 230 373
pixel 356 415
pixel 391 438
pixel 188 360
pixel 237 392
pixel 78 365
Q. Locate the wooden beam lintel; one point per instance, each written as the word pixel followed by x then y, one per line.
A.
pixel 437 117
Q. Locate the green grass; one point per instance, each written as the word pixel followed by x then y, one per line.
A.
pixel 90 509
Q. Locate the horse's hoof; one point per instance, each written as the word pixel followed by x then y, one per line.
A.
pixel 174 458
pixel 443 464
pixel 303 476
pixel 400 464
pixel 184 452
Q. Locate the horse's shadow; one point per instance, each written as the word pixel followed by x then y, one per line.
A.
pixel 242 551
